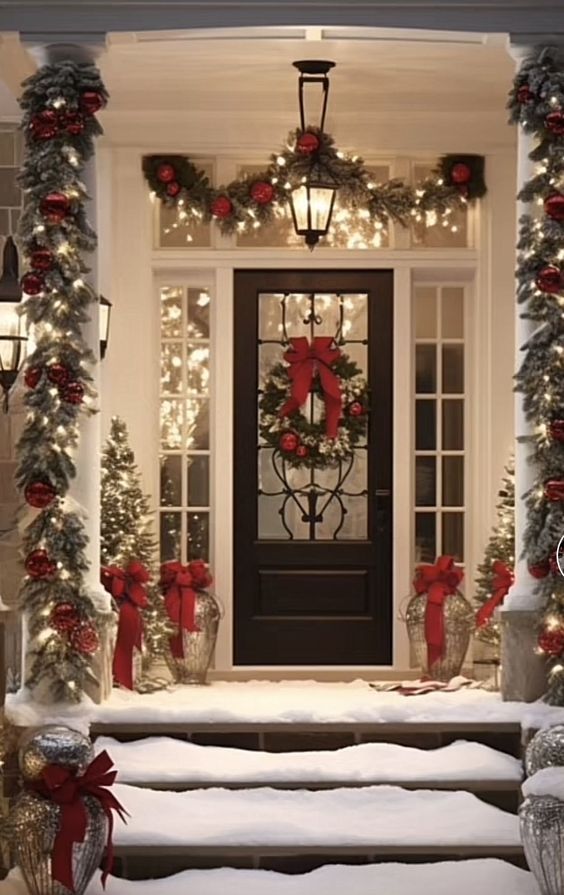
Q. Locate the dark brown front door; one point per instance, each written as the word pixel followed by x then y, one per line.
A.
pixel 312 548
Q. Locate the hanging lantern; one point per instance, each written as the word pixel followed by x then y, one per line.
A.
pixel 312 201
pixel 105 314
pixel 12 336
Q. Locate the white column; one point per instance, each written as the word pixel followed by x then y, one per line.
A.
pixel 521 596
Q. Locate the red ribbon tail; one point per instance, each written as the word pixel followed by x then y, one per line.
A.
pixel 486 611
pixel 177 646
pixel 435 625
pixel 128 636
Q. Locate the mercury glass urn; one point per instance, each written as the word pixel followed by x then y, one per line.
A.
pixel 198 646
pixel 546 750
pixel 458 628
pixel 542 832
pixel 34 820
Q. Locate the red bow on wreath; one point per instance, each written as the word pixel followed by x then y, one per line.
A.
pixel 305 360
pixel 67 788
pixel 179 584
pixel 438 581
pixel 127 587
pixel 502 581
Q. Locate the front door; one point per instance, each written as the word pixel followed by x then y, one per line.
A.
pixel 313 512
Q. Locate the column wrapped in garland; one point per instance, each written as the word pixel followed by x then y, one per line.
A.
pixel 59 103
pixel 537 103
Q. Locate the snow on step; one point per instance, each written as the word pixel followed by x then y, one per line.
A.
pixel 460 877
pixel 375 816
pixel 164 760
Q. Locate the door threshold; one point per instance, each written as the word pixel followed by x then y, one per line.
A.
pixel 343 674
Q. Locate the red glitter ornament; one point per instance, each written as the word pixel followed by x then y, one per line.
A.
pixel 356 409
pixel 166 173
pixel 55 207
pixel 39 565
pixel 58 373
pixel 222 207
pixel 557 430
pixel 461 173
pixel 41 259
pixel 289 441
pixel 91 102
pixel 554 206
pixel 44 125
pixel 32 283
pixel 64 617
pixel 73 123
pixel 525 94
pixel 554 490
pixel 302 451
pixel 549 279
pixel 32 376
pixel 84 639
pixel 555 122
pixel 308 143
pixel 262 192
pixel 73 393
pixel 551 642
pixel 173 188
pixel 540 569
pixel 39 494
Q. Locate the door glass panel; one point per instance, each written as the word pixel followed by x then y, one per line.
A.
pixel 197 535
pixel 425 537
pixel 453 369
pixel 171 481
pixel 453 481
pixel 425 425
pixel 425 482
pixel 452 317
pixel 299 500
pixel 198 480
pixel 425 369
pixel 453 535
pixel 453 425
pixel 170 536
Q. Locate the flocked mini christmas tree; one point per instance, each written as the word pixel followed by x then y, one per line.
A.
pixel 495 573
pixel 126 526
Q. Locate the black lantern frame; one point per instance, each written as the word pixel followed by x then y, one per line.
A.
pixel 12 340
pixel 313 71
pixel 105 311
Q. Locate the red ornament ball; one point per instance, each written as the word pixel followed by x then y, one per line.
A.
pixel 525 94
pixel 173 188
pixel 555 122
pixel 356 409
pixel 554 206
pixel 461 173
pixel 84 639
pixel 32 284
pixel 45 125
pixel 73 123
pixel 222 207
pixel 549 279
pixel 308 143
pixel 55 207
pixel 64 617
pixel 91 102
pixel 554 567
pixel 73 393
pixel 58 373
pixel 41 259
pixel 289 442
pixel 262 192
pixel 551 642
pixel 554 490
pixel 39 494
pixel 540 569
pixel 39 565
pixel 557 430
pixel 166 173
pixel 32 376
pixel 302 451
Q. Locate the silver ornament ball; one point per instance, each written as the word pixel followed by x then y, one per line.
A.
pixel 56 745
pixel 542 831
pixel 546 750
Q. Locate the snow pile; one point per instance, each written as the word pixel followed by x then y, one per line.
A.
pixel 460 877
pixel 371 816
pixel 164 760
pixel 546 782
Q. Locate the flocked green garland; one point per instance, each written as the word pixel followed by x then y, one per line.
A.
pixel 59 104
pixel 253 201
pixel 537 104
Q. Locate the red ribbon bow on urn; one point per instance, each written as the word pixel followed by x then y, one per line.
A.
pixel 127 587
pixel 67 788
pixel 305 360
pixel 438 581
pixel 179 584
pixel 502 581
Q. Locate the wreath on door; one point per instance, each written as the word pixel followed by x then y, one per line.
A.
pixel 316 375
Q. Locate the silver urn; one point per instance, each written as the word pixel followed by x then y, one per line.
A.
pixel 458 627
pixel 545 750
pixel 542 832
pixel 34 820
pixel 198 646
